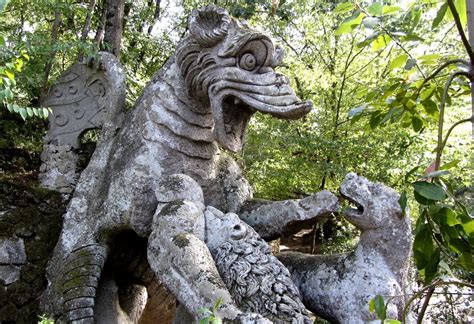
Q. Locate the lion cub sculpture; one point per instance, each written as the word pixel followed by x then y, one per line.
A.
pixel 339 287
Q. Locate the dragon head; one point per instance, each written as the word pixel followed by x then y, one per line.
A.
pixel 231 68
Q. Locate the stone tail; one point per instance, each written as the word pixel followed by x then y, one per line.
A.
pixel 83 268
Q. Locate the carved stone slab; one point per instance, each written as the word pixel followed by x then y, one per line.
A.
pixel 86 96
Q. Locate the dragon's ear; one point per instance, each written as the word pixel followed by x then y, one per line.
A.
pixel 209 25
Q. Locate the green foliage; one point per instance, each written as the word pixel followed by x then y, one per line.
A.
pixel 43 319
pixel 444 233
pixel 377 305
pixel 209 314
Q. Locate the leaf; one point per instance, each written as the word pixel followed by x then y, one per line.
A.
pixel 204 311
pixel 439 16
pixel 10 108
pixel 350 23
pixel 381 42
pixel 397 62
pixel 216 320
pixel 9 74
pixel 447 216
pixel 412 38
pixel 429 57
pixel 431 268
pixel 45 112
pixel 403 202
pixel 343 7
pixel 379 307
pixel 376 9
pixel 410 64
pixel 416 123
pixel 375 120
pixel 388 10
pixel 427 92
pixel 372 305
pixel 450 165
pixel 23 113
pixel 430 107
pixel 436 174
pixel 466 261
pixel 343 29
pixel 392 321
pixel 429 190
pixel 29 111
pixel 217 303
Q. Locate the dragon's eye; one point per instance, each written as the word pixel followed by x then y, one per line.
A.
pixel 248 62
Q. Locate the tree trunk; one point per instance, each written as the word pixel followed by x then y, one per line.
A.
pixel 99 35
pixel 87 25
pixel 113 26
pixel 54 37
pixel 156 16
pixel 470 30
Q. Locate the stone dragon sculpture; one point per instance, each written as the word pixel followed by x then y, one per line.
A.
pixel 339 287
pixel 199 102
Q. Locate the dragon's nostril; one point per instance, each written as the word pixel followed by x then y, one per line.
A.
pixel 237 227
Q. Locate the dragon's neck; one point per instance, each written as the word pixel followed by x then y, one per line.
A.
pixel 181 125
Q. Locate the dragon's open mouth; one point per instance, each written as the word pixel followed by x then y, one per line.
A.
pixel 355 209
pixel 238 94
pixel 235 117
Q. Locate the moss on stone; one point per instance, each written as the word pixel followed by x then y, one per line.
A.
pixel 181 240
pixel 172 207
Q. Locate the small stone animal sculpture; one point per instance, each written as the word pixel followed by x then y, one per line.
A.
pixel 257 281
pixel 199 102
pixel 339 287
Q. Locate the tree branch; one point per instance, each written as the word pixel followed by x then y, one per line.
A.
pixel 462 121
pixel 442 67
pixel 434 284
pixel 425 304
pixel 439 147
pixel 464 40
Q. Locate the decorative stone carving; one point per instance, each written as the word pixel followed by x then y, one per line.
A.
pixel 202 98
pixel 339 287
pixel 85 97
pixel 257 281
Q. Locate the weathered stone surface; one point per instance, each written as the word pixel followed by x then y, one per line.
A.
pixel 12 251
pixel 9 274
pixel 201 101
pixel 257 281
pixel 339 287
pixel 84 97
pixel 30 223
pixel 87 96
pixel 270 219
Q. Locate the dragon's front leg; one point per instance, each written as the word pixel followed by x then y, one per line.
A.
pixel 82 271
pixel 178 255
pixel 182 262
